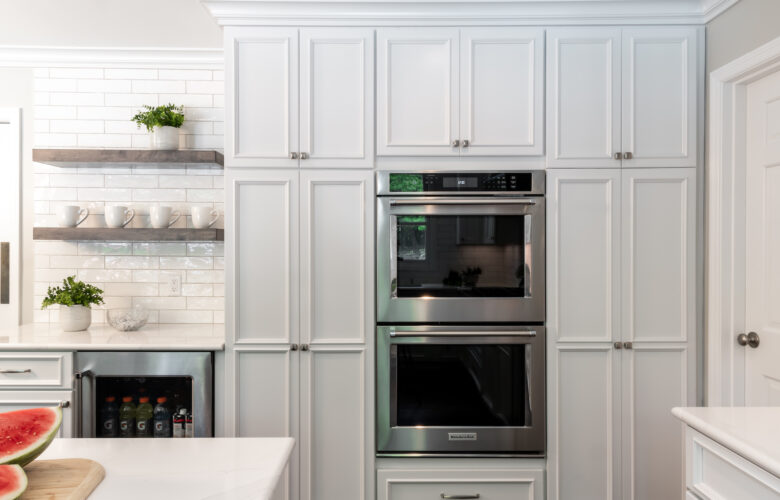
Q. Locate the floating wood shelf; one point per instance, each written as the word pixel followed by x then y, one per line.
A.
pixel 71 158
pixel 126 234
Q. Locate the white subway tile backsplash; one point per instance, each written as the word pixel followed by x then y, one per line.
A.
pixel 123 127
pixel 132 181
pixel 77 126
pixel 55 248
pixel 76 99
pixel 132 262
pixel 41 98
pixel 186 316
pixel 197 290
pixel 134 100
pixel 76 261
pixel 51 193
pixel 159 195
pixel 41 126
pixel 204 141
pixel 105 113
pixel 205 87
pixel 161 302
pixel 219 75
pixel 205 195
pixel 54 85
pixel 205 114
pixel 131 74
pixel 75 73
pixel 186 262
pixel 104 141
pixel 160 248
pixel 105 86
pixel 131 289
pixel 55 112
pixel 195 100
pixel 188 182
pixel 208 303
pixel 104 194
pixel 55 140
pixel 105 275
pixel 79 180
pixel 158 87
pixel 185 74
pixel 105 248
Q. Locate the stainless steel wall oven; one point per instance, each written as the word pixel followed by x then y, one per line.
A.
pixel 460 312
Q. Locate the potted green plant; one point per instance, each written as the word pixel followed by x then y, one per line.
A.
pixel 163 122
pixel 74 298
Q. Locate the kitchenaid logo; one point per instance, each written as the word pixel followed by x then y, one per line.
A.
pixel 462 436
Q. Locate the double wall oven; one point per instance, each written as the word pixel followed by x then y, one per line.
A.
pixel 460 313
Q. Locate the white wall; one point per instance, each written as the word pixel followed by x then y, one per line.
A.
pixel 108 23
pixel 742 28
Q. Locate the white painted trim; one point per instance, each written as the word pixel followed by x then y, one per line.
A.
pixel 463 12
pixel 125 57
pixel 725 200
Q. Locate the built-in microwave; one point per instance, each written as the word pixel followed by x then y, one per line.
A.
pixel 460 390
pixel 460 247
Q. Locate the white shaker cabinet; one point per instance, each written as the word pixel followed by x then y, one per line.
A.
pixel 453 92
pixel 623 97
pixel 299 97
pixel 305 237
pixel 621 330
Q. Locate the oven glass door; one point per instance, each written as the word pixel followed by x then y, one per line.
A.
pixel 442 259
pixel 460 390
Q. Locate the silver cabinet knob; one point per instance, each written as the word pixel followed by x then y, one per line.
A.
pixel 293 347
pixel 304 156
pixel 293 156
pixel 628 155
pixel 455 143
pixel 618 345
pixel 304 347
pixel 618 155
pixel 751 339
pixel 628 345
pixel 465 143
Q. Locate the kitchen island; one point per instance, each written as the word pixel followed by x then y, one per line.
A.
pixel 208 468
pixel 732 452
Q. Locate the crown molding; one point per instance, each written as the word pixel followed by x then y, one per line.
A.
pixel 462 12
pixel 125 57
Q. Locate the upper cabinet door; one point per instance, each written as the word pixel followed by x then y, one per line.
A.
pixel 501 91
pixel 417 91
pixel 261 117
pixel 583 97
pixel 660 97
pixel 337 97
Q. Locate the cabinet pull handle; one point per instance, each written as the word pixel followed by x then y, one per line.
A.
pixel 304 156
pixel 64 404
pixel 628 345
pixel 455 143
pixel 618 345
pixel 26 370
pixel 304 347
pixel 618 155
pixel 465 143
pixel 293 156
pixel 628 155
pixel 293 347
pixel 460 497
pixel 5 272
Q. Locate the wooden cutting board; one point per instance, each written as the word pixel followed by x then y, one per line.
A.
pixel 65 479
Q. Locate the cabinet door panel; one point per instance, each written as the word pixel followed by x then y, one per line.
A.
pixel 656 378
pixel 417 91
pixel 333 451
pixel 583 97
pixel 660 96
pixel 501 98
pixel 583 255
pixel 23 400
pixel 263 250
pixel 659 249
pixel 584 453
pixel 262 96
pixel 337 97
pixel 337 210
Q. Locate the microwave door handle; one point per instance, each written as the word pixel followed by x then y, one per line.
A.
pixel 463 201
pixel 481 333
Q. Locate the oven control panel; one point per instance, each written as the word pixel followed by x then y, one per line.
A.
pixel 465 182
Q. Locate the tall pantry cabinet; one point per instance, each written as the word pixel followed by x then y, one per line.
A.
pixel 621 239
pixel 300 251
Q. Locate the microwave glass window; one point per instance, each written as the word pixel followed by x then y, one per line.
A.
pixel 482 385
pixel 462 256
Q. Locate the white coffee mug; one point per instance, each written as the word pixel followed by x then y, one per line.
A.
pixel 119 216
pixel 161 216
pixel 203 217
pixel 71 215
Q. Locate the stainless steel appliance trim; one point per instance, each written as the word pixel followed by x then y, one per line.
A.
pixel 463 201
pixel 198 365
pixel 393 440
pixel 537 183
pixel 481 333
pixel 5 272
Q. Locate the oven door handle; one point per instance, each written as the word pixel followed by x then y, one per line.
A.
pixel 481 333
pixel 463 201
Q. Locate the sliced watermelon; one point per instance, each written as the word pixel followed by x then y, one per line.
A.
pixel 13 482
pixel 24 434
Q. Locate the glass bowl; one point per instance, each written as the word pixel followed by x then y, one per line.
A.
pixel 127 320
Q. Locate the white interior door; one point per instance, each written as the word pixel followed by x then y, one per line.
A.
pixel 10 214
pixel 762 293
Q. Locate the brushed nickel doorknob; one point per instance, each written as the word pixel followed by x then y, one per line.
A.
pixel 293 347
pixel 455 143
pixel 293 156
pixel 465 143
pixel 304 156
pixel 618 155
pixel 628 345
pixel 628 155
pixel 751 339
pixel 304 347
pixel 618 345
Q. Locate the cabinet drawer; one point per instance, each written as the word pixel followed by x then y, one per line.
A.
pixel 36 370
pixel 22 400
pixel 717 472
pixel 461 484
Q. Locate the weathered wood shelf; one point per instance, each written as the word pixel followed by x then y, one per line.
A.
pixel 72 158
pixel 126 234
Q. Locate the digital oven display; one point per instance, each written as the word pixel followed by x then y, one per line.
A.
pixel 459 182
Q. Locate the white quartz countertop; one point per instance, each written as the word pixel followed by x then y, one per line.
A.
pixel 752 432
pixel 102 337
pixel 196 468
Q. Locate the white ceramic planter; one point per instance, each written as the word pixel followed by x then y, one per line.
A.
pixel 165 138
pixel 75 318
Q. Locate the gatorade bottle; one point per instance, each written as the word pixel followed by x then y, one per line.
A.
pixel 143 418
pixel 109 418
pixel 127 418
pixel 162 419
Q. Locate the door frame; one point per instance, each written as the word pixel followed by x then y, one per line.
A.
pixel 13 117
pixel 725 255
